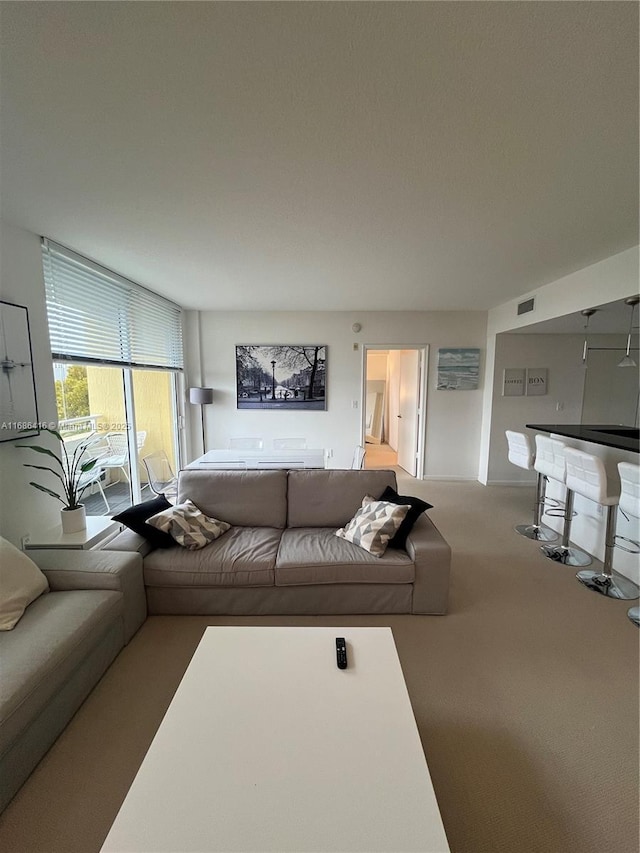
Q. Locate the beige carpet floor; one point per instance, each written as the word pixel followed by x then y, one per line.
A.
pixel 525 695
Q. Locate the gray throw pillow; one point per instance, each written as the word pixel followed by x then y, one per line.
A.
pixel 373 525
pixel 190 527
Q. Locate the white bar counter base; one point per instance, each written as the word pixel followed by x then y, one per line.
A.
pixel 98 532
pixel 267 746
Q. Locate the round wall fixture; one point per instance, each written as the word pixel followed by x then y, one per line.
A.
pixel 356 327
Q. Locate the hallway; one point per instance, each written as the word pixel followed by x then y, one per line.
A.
pixel 380 456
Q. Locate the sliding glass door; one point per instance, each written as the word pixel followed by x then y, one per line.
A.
pixel 131 415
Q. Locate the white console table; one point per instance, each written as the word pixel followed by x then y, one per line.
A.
pixel 98 532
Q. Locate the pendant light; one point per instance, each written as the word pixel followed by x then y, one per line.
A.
pixel 588 313
pixel 627 361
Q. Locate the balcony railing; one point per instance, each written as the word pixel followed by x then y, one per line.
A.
pixel 72 428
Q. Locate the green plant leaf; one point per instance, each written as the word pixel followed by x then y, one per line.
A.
pixel 44 468
pixel 87 466
pixel 38 449
pixel 46 491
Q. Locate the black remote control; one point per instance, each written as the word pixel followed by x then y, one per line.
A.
pixel 341 652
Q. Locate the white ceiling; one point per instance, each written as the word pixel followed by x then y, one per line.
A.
pixel 325 156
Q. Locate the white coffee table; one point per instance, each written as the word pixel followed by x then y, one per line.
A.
pixel 268 746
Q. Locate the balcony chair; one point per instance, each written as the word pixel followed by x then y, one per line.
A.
pixel 162 480
pixel 118 452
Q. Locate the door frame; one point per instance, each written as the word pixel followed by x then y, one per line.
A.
pixel 421 414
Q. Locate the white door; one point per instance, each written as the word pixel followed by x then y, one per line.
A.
pixel 408 414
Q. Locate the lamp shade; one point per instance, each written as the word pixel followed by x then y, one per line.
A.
pixel 201 396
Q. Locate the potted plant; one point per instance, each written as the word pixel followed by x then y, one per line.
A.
pixel 70 470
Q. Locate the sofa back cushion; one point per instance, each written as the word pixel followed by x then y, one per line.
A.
pixel 21 582
pixel 241 498
pixel 322 498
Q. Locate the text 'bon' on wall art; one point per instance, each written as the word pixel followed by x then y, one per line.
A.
pixel 536 381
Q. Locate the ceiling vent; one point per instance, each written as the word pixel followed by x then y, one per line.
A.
pixel 526 306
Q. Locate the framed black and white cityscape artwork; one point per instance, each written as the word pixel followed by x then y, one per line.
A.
pixel 18 406
pixel 281 376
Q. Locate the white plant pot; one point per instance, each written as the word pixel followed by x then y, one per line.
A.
pixel 73 520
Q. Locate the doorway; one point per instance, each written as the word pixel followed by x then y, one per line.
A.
pixel 394 406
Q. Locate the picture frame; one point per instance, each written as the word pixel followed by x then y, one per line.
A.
pixel 281 376
pixel 18 400
pixel 536 383
pixel 513 381
pixel 458 369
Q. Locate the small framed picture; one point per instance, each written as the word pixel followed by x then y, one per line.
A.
pixel 536 385
pixel 513 382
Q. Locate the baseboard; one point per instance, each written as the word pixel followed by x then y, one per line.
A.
pixel 511 483
pixel 451 479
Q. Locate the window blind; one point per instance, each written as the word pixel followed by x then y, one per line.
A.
pixel 98 316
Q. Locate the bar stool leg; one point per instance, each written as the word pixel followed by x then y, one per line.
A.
pixel 604 581
pixel 536 531
pixel 563 553
pixel 634 614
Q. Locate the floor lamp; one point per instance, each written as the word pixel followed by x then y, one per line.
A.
pixel 201 397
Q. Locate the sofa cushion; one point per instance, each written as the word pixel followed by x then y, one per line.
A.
pixel 190 528
pixel 374 524
pixel 135 518
pixel 21 582
pixel 242 498
pixel 44 649
pixel 312 555
pixel 322 498
pixel 244 556
pixel 417 507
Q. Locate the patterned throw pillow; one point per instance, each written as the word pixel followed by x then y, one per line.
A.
pixel 373 525
pixel 189 527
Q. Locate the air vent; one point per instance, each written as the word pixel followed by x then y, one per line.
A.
pixel 526 306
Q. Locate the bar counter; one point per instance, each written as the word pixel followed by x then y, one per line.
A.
pixel 608 435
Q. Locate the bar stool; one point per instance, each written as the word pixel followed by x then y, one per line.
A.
pixel 521 454
pixel 550 460
pixel 586 476
pixel 630 506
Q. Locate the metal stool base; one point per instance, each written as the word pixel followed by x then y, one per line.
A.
pixel 566 556
pixel 612 587
pixel 634 614
pixel 538 534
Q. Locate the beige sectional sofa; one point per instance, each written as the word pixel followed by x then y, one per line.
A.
pixel 281 555
pixel 59 650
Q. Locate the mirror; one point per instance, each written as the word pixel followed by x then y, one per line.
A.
pixel 374 420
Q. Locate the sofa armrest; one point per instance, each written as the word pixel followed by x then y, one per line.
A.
pixel 67 570
pixel 129 541
pixel 432 557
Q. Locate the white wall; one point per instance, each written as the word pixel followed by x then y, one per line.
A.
pixel 453 418
pixel 22 508
pixel 562 356
pixel 606 281
pixel 611 393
